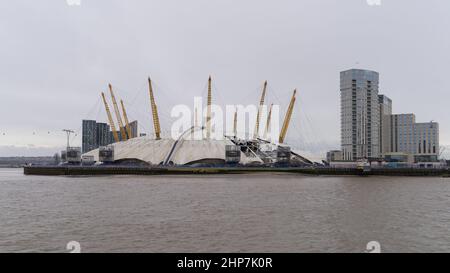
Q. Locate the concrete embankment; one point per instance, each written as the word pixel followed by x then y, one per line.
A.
pixel 127 170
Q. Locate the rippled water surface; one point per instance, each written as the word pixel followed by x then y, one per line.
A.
pixel 223 213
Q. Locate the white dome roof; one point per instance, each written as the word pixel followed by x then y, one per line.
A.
pixel 142 148
pixel 186 151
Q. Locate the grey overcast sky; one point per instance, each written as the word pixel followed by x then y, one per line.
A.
pixel 55 59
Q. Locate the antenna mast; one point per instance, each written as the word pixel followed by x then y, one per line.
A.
pixel 68 132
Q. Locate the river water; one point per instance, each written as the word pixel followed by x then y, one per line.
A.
pixel 223 213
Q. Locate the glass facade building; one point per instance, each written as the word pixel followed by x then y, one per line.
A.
pixel 103 138
pixel 89 135
pixel 369 130
pixel 95 135
pixel 360 114
pixel 418 139
pixel 385 114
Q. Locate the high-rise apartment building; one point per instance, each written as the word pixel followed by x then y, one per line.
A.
pixel 103 135
pixel 401 133
pixel 418 139
pixel 360 114
pixel 89 135
pixel 96 135
pixel 385 114
pixel 426 139
pixel 370 130
pixel 111 137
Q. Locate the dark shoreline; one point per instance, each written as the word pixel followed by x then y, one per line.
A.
pixel 127 170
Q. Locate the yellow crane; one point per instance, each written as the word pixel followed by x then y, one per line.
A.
pixel 111 122
pixel 155 116
pixel 269 118
pixel 119 118
pixel 258 117
pixel 287 119
pixel 127 124
pixel 208 110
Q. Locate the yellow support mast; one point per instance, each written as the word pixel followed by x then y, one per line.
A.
pixel 208 110
pixel 119 118
pixel 269 118
pixel 111 122
pixel 127 124
pixel 155 116
pixel 287 119
pixel 258 117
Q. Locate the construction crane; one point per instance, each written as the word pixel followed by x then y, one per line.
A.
pixel 208 110
pixel 111 122
pixel 125 117
pixel 258 117
pixel 287 119
pixel 155 116
pixel 119 118
pixel 269 118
